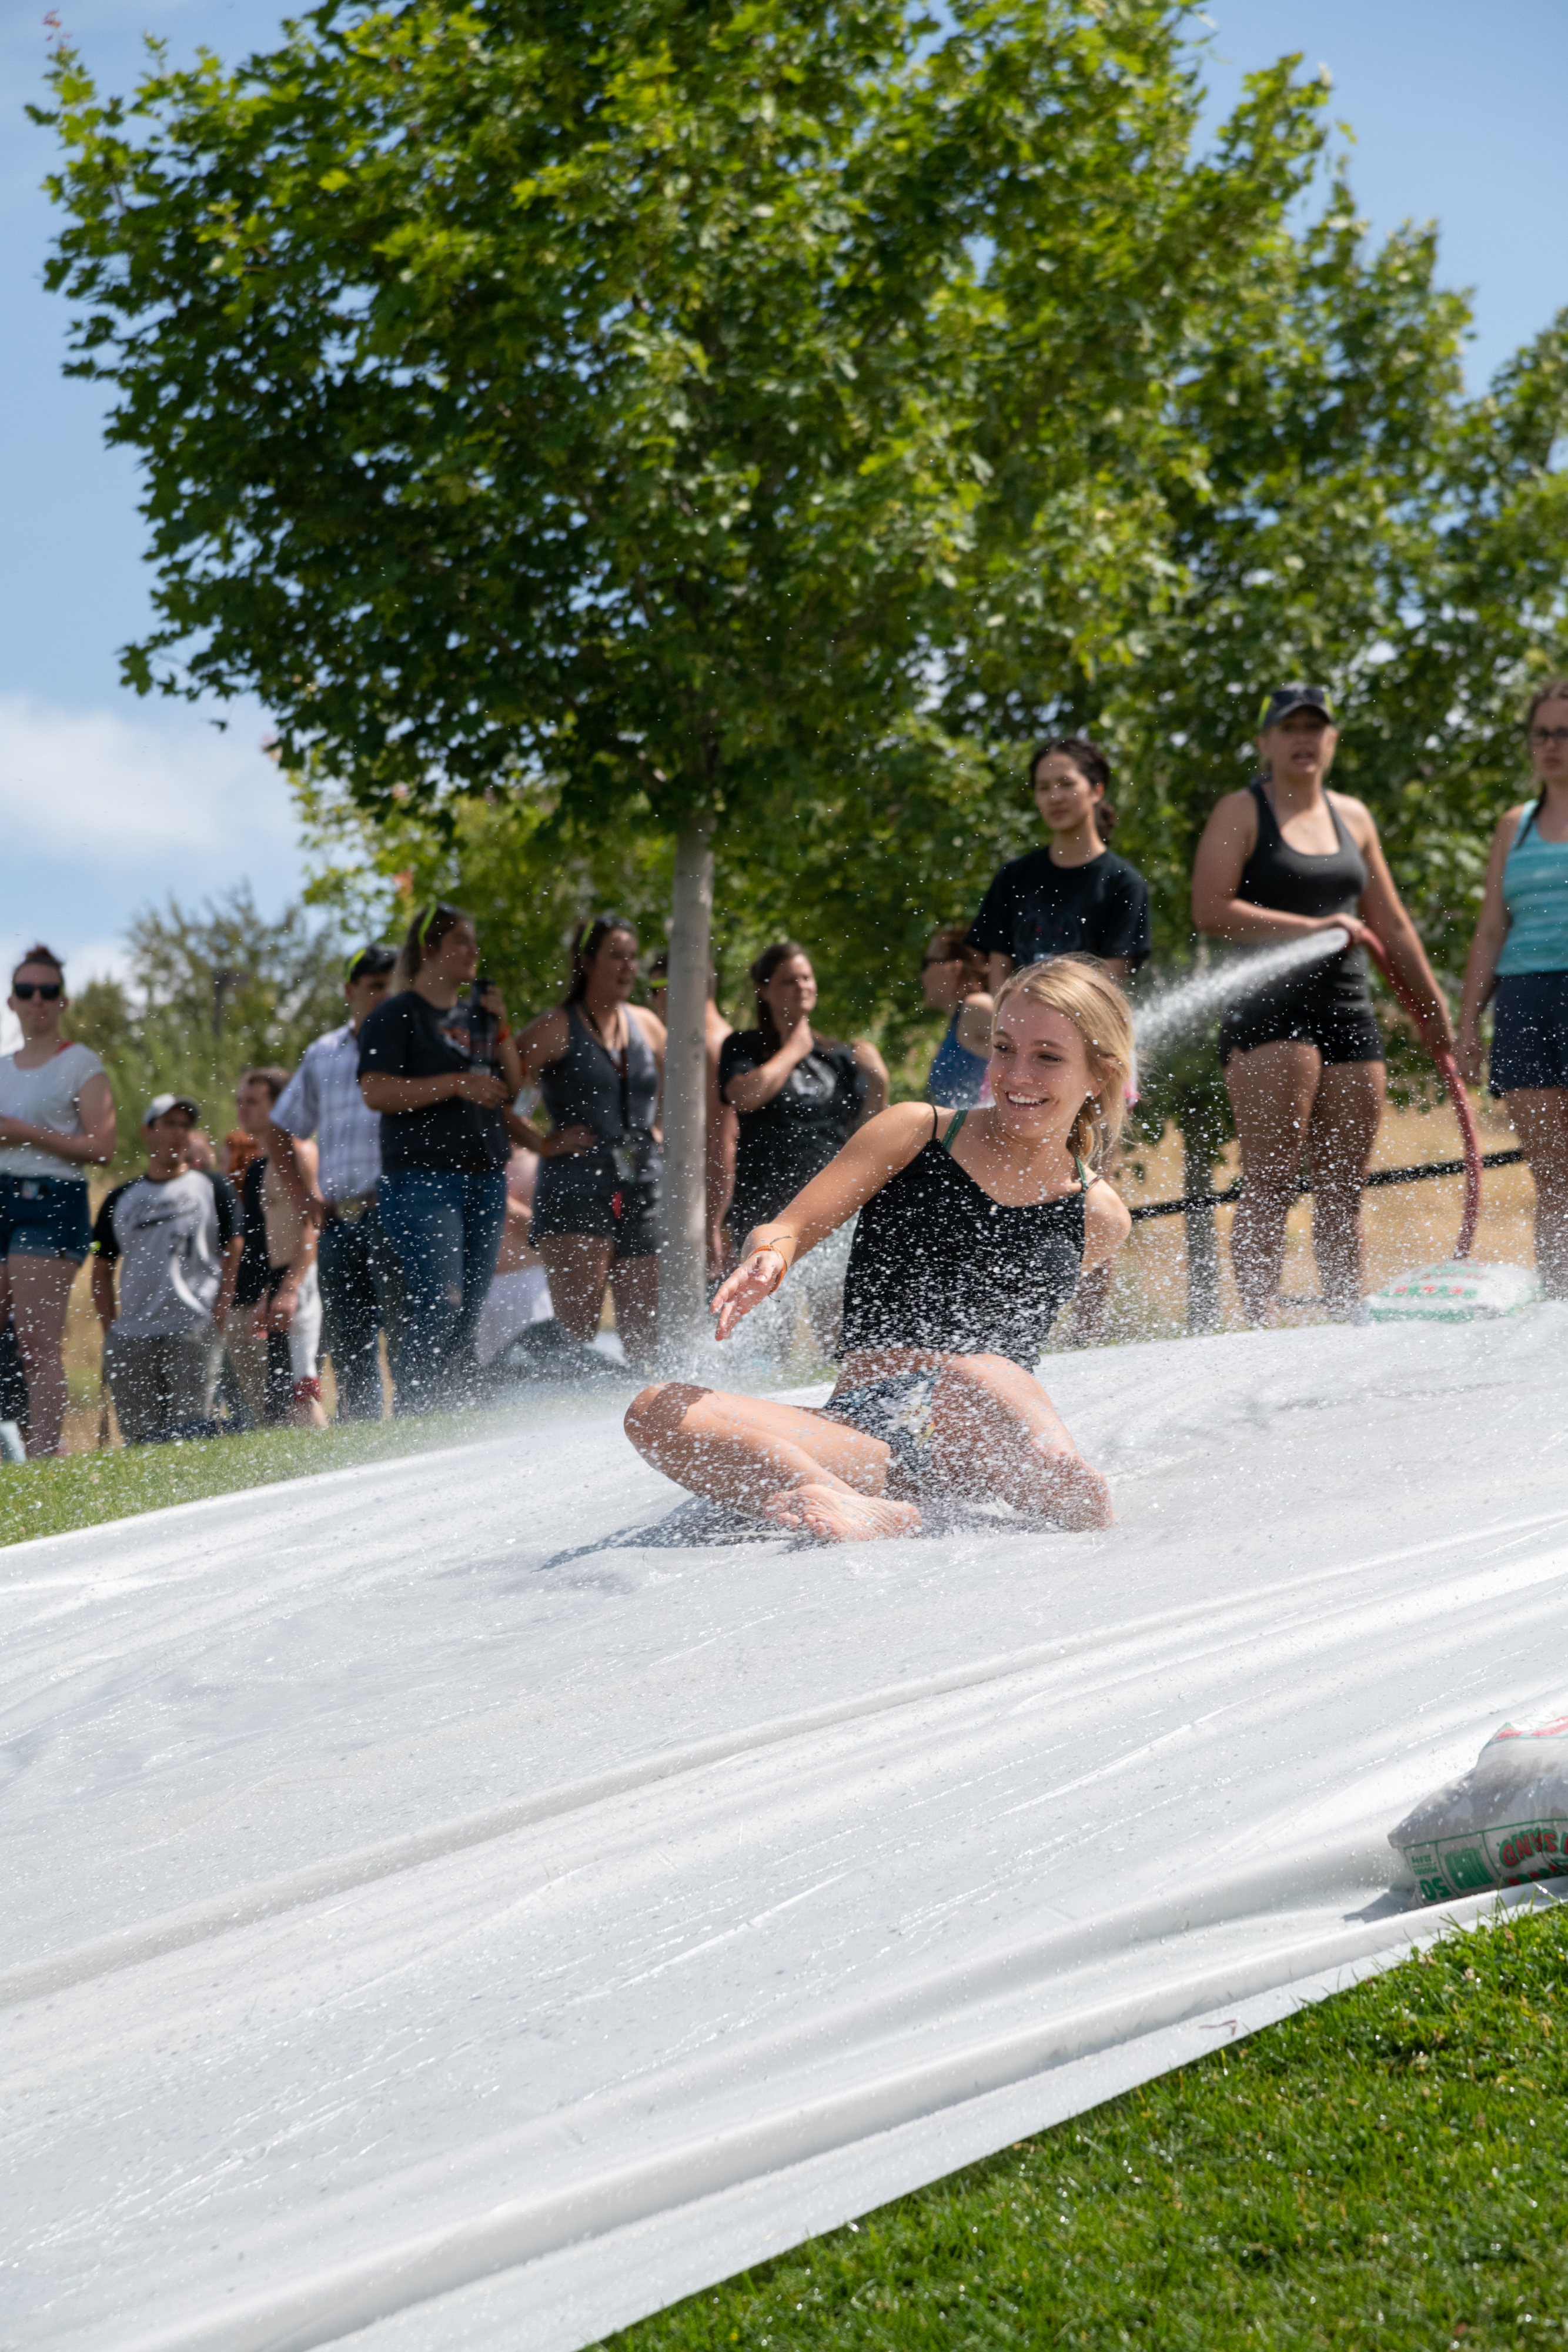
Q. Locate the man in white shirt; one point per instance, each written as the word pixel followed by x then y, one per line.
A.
pixel 356 1268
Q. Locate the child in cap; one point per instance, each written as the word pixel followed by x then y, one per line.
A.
pixel 175 1234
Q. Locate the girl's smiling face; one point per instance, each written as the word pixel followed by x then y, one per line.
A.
pixel 1038 1070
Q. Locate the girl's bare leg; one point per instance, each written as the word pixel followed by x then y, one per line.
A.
pixel 1540 1116
pixel 39 1290
pixel 635 1281
pixel 578 1265
pixel 1346 1113
pixel 997 1435
pixel 784 1463
pixel 1272 1091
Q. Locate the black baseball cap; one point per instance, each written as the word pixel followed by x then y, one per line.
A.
pixel 369 963
pixel 1286 699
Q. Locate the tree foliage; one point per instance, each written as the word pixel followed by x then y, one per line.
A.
pixel 647 404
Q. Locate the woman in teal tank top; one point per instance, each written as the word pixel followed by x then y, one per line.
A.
pixel 1520 955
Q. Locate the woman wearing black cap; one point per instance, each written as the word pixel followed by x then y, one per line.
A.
pixel 599 1063
pixel 1303 1058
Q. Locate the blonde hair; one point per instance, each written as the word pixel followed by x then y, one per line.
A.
pixel 1080 987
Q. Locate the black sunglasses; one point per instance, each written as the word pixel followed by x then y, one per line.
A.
pixel 47 989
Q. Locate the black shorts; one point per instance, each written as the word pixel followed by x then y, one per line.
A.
pixel 1530 1031
pixel 1341 1032
pixel 585 1195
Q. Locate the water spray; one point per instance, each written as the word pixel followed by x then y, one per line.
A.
pixel 1197 1000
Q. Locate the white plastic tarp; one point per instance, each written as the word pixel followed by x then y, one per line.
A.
pixel 441 1905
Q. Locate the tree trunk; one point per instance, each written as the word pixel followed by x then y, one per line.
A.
pixel 682 1264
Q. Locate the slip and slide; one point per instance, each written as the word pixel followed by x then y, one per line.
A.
pixel 479 1898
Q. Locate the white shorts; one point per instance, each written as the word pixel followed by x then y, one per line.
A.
pixel 512 1302
pixel 304 1331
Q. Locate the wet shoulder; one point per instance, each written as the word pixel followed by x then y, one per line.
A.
pixel 1107 1221
pixel 898 1135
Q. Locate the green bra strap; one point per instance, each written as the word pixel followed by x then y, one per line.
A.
pixel 1083 1176
pixel 951 1137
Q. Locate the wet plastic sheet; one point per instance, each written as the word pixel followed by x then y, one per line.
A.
pixel 455 1901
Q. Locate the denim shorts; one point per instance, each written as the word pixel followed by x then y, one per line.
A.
pixel 586 1193
pixel 44 1216
pixel 1530 1031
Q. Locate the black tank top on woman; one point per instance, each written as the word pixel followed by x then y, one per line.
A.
pixel 936 1262
pixel 1297 883
pixel 614 1094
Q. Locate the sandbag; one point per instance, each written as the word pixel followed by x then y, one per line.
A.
pixel 1502 1824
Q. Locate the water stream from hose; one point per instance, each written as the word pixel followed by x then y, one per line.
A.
pixel 1168 1016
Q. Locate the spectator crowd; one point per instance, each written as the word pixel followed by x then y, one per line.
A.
pixel 429 1185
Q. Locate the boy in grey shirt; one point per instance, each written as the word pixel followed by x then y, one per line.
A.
pixel 175 1236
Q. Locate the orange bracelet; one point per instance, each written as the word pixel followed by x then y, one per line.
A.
pixel 783 1261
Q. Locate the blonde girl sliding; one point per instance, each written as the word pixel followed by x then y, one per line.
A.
pixel 975 1227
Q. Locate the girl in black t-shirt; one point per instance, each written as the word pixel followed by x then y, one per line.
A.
pixel 799 1096
pixel 441 1082
pixel 1071 897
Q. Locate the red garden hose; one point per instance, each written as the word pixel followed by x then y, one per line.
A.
pixel 1447 1070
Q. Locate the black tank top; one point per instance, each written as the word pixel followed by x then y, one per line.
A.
pixel 614 1094
pixel 936 1262
pixel 1298 883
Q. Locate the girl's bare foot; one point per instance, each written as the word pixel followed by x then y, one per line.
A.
pixel 1073 1494
pixel 836 1514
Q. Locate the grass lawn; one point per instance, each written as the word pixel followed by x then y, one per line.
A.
pixel 81 1490
pixel 1385 2169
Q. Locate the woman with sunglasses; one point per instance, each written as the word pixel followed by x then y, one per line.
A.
pixel 1520 952
pixel 953 980
pixel 440 1074
pixel 57 1120
pixel 599 1063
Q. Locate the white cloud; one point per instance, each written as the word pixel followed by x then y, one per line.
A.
pixel 100 780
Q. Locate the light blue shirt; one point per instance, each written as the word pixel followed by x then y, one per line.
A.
pixel 1535 892
pixel 323 1099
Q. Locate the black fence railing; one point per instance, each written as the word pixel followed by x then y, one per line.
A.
pixel 1379 1178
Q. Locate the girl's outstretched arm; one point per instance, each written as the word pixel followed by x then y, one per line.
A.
pixel 871 1157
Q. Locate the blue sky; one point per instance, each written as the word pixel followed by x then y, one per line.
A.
pixel 108 801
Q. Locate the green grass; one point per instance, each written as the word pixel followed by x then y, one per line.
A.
pixel 1385 2169
pixel 82 1490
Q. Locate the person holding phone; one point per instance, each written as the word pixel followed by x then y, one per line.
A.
pixel 442 1091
